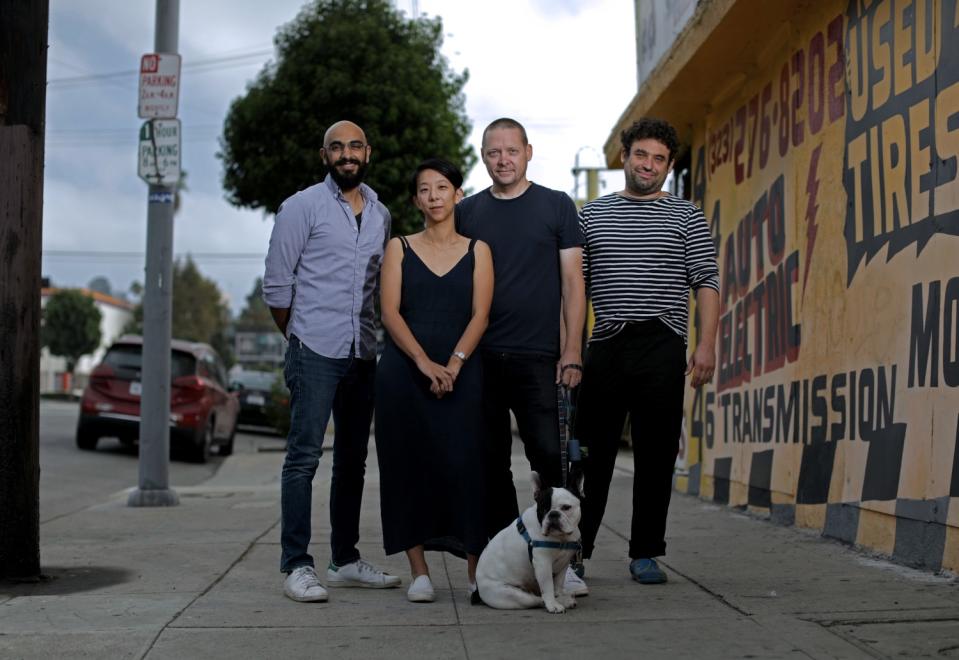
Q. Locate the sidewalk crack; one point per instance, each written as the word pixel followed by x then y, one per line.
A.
pixel 718 596
pixel 209 587
pixel 456 607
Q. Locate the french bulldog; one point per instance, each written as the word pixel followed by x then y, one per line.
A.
pixel 524 565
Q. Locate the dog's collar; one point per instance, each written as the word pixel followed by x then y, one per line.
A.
pixel 553 545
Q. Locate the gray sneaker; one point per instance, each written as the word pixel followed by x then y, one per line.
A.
pixel 360 573
pixel 303 586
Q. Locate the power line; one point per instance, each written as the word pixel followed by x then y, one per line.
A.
pixel 105 130
pixel 197 66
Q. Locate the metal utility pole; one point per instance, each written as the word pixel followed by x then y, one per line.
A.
pixel 23 94
pixel 592 179
pixel 154 483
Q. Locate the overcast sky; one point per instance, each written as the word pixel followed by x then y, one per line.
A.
pixel 565 68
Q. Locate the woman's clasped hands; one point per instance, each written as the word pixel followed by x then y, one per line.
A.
pixel 441 377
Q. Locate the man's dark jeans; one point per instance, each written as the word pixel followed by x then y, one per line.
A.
pixel 525 384
pixel 319 385
pixel 640 371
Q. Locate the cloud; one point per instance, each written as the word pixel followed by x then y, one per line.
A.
pixel 565 68
pixel 553 7
pixel 566 74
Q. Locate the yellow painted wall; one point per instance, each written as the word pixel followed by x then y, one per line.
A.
pixel 828 172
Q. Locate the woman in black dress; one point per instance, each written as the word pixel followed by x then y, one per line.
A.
pixel 435 292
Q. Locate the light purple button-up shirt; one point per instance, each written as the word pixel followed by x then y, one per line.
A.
pixel 326 269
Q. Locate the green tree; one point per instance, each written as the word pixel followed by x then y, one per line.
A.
pixel 256 315
pixel 71 326
pixel 100 284
pixel 347 59
pixel 199 313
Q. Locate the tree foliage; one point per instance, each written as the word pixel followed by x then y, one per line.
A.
pixel 71 325
pixel 360 60
pixel 256 315
pixel 100 284
pixel 199 312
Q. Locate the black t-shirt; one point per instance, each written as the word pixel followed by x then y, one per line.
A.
pixel 525 235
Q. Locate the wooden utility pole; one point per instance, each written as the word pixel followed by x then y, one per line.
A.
pixel 23 93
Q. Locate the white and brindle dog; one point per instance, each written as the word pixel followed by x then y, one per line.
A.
pixel 524 565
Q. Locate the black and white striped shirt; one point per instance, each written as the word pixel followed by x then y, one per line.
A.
pixel 641 258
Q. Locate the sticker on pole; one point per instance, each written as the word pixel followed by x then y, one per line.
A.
pixel 159 86
pixel 158 161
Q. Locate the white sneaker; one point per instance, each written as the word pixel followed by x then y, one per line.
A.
pixel 573 584
pixel 359 574
pixel 421 590
pixel 303 586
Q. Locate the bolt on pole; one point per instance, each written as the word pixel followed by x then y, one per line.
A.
pixel 154 463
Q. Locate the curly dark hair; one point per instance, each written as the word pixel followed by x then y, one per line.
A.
pixel 657 129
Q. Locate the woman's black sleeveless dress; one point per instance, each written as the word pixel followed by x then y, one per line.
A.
pixel 429 449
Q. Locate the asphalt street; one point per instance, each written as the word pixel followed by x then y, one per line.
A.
pixel 71 479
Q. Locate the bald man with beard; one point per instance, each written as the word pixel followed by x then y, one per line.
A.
pixel 322 274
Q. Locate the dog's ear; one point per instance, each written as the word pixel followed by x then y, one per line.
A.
pixel 574 481
pixel 536 481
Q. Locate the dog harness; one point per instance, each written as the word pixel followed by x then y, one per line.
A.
pixel 554 545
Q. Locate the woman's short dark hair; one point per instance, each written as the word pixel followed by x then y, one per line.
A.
pixel 444 167
pixel 657 129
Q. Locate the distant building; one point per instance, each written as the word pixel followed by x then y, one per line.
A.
pixel 259 349
pixel 115 314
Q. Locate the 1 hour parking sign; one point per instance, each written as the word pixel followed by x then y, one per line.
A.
pixel 159 153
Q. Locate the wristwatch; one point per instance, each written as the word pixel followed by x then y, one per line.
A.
pixel 460 354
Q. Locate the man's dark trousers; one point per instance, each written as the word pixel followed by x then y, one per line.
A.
pixel 640 371
pixel 525 384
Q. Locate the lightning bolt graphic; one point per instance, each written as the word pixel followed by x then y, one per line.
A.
pixel 812 189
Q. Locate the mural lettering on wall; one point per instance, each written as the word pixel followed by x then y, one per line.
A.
pixel 902 132
pixel 884 75
pixel 935 315
pixel 836 392
pixel 809 85
pixel 761 283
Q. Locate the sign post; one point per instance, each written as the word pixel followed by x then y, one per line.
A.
pixel 159 166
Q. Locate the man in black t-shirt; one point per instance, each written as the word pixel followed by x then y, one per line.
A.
pixel 534 338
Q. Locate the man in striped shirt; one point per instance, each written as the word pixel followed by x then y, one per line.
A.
pixel 645 249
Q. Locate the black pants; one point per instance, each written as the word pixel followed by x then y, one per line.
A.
pixel 525 384
pixel 639 371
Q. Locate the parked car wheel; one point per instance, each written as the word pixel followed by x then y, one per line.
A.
pixel 226 449
pixel 86 438
pixel 199 451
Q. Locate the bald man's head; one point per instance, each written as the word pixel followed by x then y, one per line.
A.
pixel 346 154
pixel 345 125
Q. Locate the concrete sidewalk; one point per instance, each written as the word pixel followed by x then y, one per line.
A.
pixel 201 581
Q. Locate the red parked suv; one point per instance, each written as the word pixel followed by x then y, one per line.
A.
pixel 203 413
